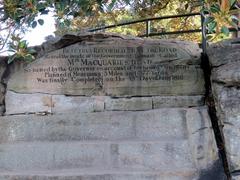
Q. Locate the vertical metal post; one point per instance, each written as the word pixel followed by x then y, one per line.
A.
pixel 148 28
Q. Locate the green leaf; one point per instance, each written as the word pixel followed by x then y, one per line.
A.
pixel 34 24
pixel 234 24
pixel 12 50
pixel 22 44
pixel 111 5
pixel 235 18
pixel 215 8
pixel 41 6
pixel 225 30
pixel 12 46
pixel 151 2
pixel 29 20
pixel 61 25
pixel 211 27
pixel 67 22
pixel 40 21
pixel 11 59
pixel 62 5
pixel 127 1
pixel 232 2
pixel 205 10
pixel 57 6
pixel 208 20
pixel 29 58
pixel 209 37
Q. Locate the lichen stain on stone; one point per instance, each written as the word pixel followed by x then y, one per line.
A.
pixel 47 101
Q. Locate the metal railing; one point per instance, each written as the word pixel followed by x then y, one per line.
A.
pixel 148 22
pixel 148 32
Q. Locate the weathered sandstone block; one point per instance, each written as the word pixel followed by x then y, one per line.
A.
pixel 115 66
pixel 225 60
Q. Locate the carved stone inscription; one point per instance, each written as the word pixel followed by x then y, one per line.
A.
pixel 111 69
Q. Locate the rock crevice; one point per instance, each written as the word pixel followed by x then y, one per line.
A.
pixel 210 102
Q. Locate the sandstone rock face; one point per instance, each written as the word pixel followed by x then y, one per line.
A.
pixel 225 60
pixel 115 66
pixel 108 107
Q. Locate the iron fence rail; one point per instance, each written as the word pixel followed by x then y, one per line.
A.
pixel 147 22
pixel 148 33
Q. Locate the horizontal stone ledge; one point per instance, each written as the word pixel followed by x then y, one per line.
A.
pixel 224 52
pixel 103 175
pixel 98 171
pixel 228 74
pixel 66 155
pixel 214 171
pixel 159 124
pixel 177 101
pixel 128 104
pixel 17 103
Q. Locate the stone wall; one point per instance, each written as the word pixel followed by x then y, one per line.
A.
pixel 103 106
pixel 225 62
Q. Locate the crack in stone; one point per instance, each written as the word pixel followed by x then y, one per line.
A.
pixel 42 113
pixel 200 129
pixel 228 123
pixel 213 67
pixel 236 172
pixel 217 129
pixel 229 85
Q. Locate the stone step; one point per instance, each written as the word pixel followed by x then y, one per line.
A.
pixel 167 139
pixel 111 174
pixel 134 155
pixel 166 123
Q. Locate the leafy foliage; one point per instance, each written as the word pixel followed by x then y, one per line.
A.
pixel 118 11
pixel 20 49
pixel 17 16
pixel 222 15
